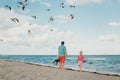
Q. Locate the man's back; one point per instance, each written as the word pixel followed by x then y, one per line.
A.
pixel 62 49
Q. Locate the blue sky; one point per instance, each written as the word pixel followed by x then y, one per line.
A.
pixel 95 28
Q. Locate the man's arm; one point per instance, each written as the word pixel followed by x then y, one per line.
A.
pixel 66 53
pixel 58 54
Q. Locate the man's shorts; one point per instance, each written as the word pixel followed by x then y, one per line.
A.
pixel 62 59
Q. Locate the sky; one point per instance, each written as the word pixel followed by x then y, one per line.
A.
pixel 95 28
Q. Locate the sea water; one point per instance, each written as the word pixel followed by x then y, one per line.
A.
pixel 105 64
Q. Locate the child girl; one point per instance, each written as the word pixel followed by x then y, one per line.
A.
pixel 80 60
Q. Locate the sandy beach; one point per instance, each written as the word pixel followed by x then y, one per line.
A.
pixel 12 70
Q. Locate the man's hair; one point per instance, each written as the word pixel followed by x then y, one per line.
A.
pixel 62 42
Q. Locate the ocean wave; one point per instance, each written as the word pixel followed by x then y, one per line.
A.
pixel 97 59
pixel 104 64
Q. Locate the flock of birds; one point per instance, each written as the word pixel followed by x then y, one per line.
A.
pixel 23 4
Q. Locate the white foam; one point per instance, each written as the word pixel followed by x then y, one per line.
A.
pixel 97 59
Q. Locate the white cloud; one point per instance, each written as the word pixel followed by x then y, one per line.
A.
pixel 15 35
pixel 62 19
pixel 5 21
pixel 41 2
pixel 109 37
pixel 16 39
pixel 32 1
pixel 46 4
pixel 114 24
pixel 77 2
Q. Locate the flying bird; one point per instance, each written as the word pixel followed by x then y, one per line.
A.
pixel 71 16
pixel 8 7
pixel 14 20
pixel 51 30
pixel 30 24
pixel 72 6
pixel 62 5
pixel 47 9
pixel 26 0
pixel 22 4
pixel 51 19
pixel 1 40
pixel 34 17
pixel 29 31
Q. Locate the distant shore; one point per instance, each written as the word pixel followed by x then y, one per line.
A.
pixel 13 70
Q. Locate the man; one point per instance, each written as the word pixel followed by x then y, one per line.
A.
pixel 62 53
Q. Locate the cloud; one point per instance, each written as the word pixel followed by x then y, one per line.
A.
pixel 6 22
pixel 17 40
pixel 41 2
pixel 62 19
pixel 109 37
pixel 32 1
pixel 78 2
pixel 46 4
pixel 114 24
pixel 15 35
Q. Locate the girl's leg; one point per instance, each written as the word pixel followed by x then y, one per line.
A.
pixel 80 68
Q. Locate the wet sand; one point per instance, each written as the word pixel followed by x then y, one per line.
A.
pixel 12 70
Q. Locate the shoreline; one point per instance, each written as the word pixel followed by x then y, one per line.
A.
pixel 14 70
pixel 45 65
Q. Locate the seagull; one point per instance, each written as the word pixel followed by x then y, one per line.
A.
pixel 71 16
pixel 72 6
pixel 22 4
pixel 8 7
pixel 26 0
pixel 29 31
pixel 30 24
pixel 15 20
pixel 62 5
pixel 47 9
pixel 1 40
pixel 34 17
pixel 51 30
pixel 51 19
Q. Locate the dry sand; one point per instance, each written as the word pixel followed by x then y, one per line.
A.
pixel 12 70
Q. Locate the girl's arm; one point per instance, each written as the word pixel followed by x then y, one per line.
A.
pixel 84 59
